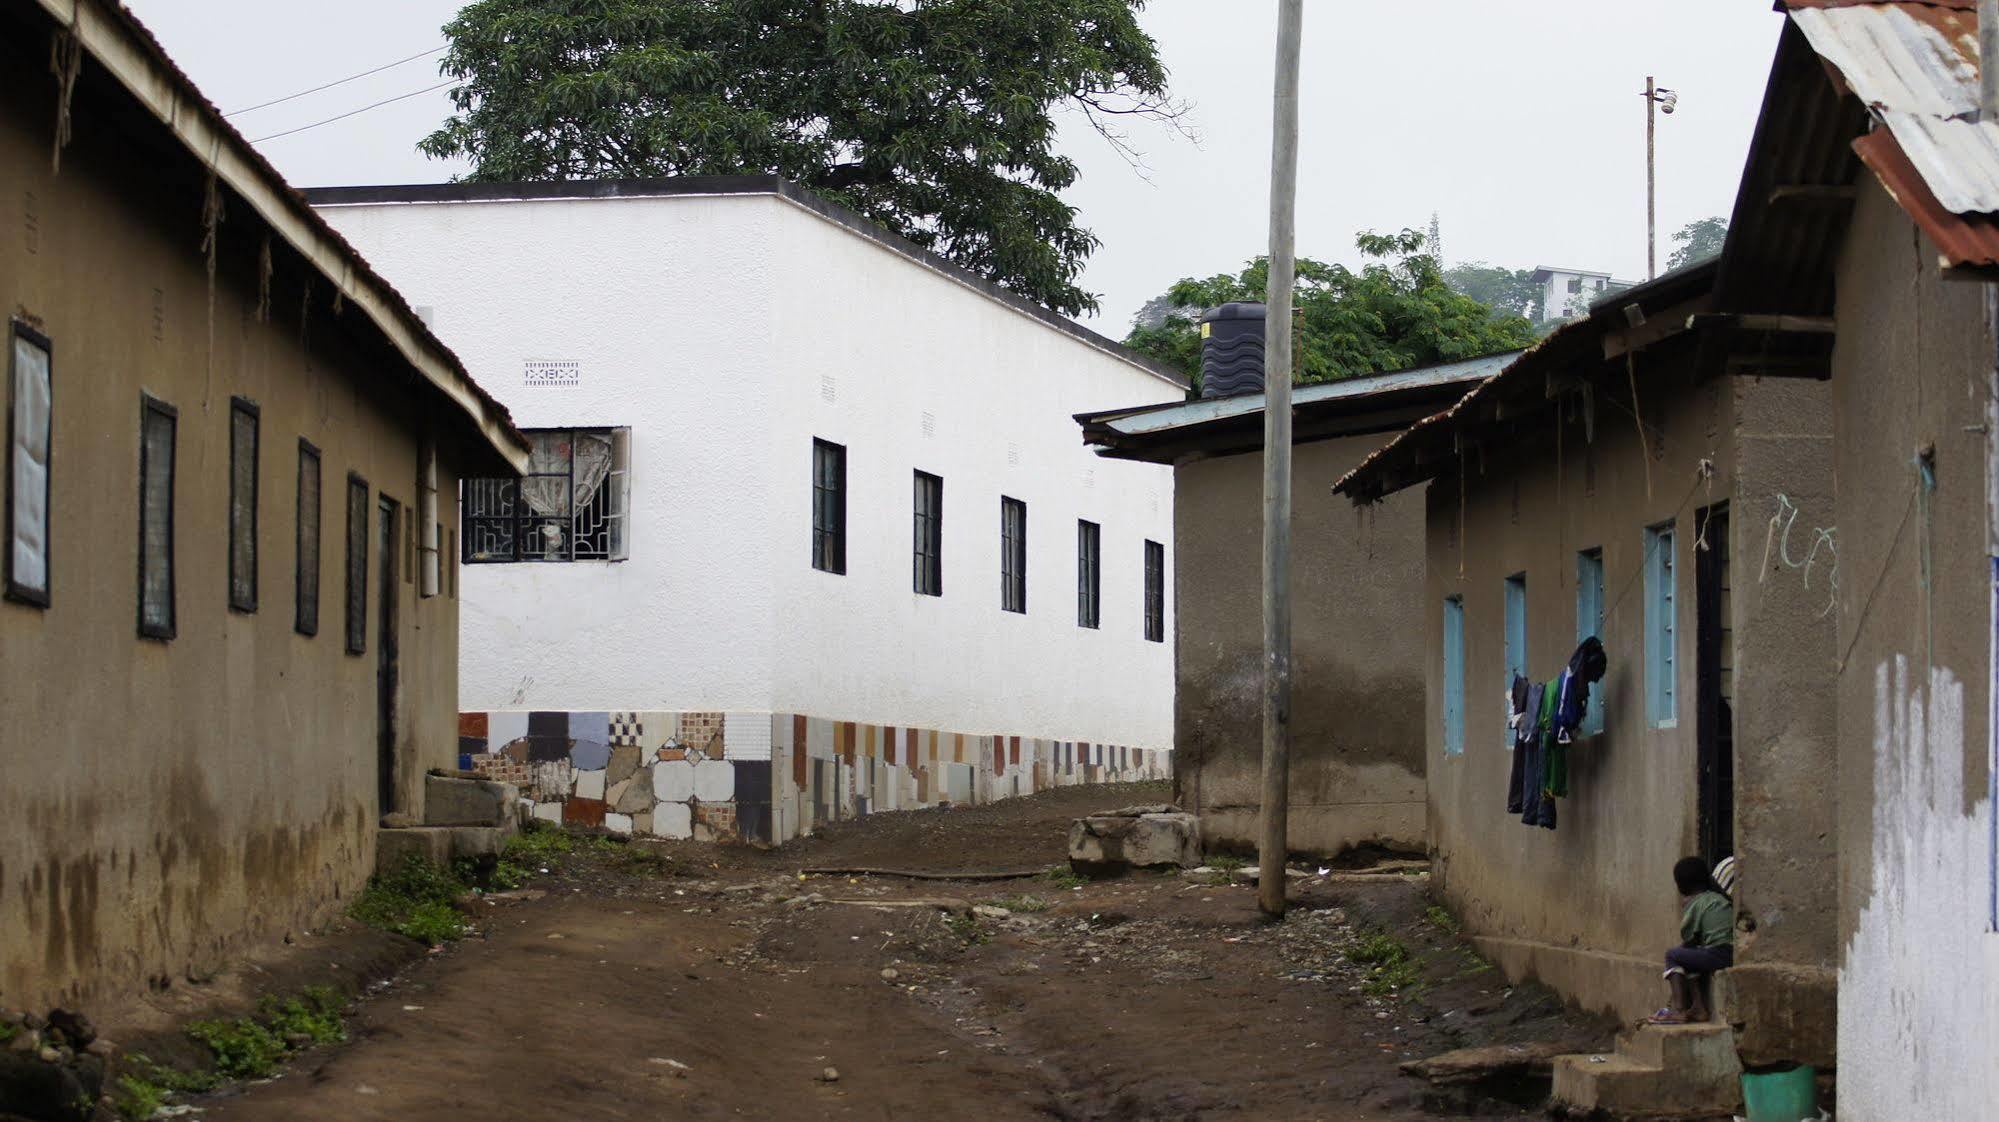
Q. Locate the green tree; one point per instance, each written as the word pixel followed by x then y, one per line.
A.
pixel 1698 241
pixel 1396 312
pixel 1505 291
pixel 936 118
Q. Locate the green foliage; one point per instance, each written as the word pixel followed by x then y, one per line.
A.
pixel 313 1017
pixel 243 1048
pixel 7 1031
pixel 1024 903
pixel 414 900
pixel 1698 241
pixel 1227 862
pixel 1441 918
pixel 1396 312
pixel 137 1098
pixel 1506 291
pixel 1063 877
pixel 1393 967
pixel 239 1048
pixel 965 928
pixel 936 119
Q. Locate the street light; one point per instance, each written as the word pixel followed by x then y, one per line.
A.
pixel 1659 98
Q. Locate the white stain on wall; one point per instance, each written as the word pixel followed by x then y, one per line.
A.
pixel 1919 986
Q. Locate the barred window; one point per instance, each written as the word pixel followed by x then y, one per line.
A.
pixel 829 506
pixel 357 564
pixel 1013 555
pixel 305 578
pixel 242 504
pixel 570 505
pixel 1155 592
pixel 1089 573
pixel 28 431
pixel 157 422
pixel 929 557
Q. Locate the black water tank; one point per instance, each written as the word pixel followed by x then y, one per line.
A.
pixel 1232 350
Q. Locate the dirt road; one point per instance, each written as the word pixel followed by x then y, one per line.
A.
pixel 742 991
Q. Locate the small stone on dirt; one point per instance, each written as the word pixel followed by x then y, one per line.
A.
pixel 830 1075
pixel 890 973
pixel 989 911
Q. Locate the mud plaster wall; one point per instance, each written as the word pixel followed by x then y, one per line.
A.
pixel 1357 653
pixel 1919 973
pixel 764 778
pixel 1589 907
pixel 165 802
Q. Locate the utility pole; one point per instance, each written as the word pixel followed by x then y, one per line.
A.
pixel 1272 844
pixel 1988 110
pixel 1656 99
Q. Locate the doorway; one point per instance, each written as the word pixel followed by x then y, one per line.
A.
pixel 386 517
pixel 1714 679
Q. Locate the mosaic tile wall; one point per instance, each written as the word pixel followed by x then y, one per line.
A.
pixel 763 778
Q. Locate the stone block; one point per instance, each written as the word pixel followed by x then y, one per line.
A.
pixel 590 784
pixel 673 820
pixel 636 797
pixel 1108 843
pixel 449 801
pixel 714 781
pixel 624 763
pixel 1781 1012
pixel 439 845
pixel 618 823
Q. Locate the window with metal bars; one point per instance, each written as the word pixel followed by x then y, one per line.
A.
pixel 829 506
pixel 570 505
pixel 305 579
pixel 357 565
pixel 1661 631
pixel 243 415
pixel 928 565
pixel 29 418
pixel 1089 573
pixel 1155 592
pixel 157 424
pixel 1013 555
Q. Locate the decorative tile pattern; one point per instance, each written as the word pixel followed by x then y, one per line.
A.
pixel 627 730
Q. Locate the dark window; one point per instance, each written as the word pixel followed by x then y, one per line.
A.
pixel 1155 592
pixel 1013 555
pixel 929 565
pixel 357 565
pixel 829 506
pixel 29 416
pixel 306 577
pixel 569 506
pixel 157 421
pixel 1089 573
pixel 242 504
pixel 430 532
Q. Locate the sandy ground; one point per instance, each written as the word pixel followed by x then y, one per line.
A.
pixel 731 989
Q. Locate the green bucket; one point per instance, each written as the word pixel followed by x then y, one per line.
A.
pixel 1790 1095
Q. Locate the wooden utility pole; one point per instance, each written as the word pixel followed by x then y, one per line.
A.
pixel 1271 845
pixel 1651 180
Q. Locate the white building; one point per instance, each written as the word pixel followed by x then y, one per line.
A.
pixel 795 478
pixel 1566 293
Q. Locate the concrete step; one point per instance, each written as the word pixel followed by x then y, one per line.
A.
pixel 1609 1083
pixel 438 844
pixel 1669 1071
pixel 462 800
pixel 1701 1047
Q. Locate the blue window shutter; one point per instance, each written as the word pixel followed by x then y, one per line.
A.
pixel 1661 674
pixel 1516 635
pixel 1589 621
pixel 1454 675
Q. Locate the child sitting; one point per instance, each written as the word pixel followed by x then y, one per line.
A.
pixel 1707 942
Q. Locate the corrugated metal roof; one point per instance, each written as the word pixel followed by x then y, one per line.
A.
pixel 1165 418
pixel 1915 65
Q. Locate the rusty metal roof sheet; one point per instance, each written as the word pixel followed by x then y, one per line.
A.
pixel 1915 65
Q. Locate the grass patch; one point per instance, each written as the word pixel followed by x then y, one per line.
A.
pixel 1391 966
pixel 1441 919
pixel 965 928
pixel 414 900
pixel 1020 903
pixel 538 843
pixel 1063 877
pixel 1228 863
pixel 239 1048
pixel 136 1098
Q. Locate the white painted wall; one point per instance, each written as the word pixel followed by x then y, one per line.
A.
pixel 708 325
pixel 1919 984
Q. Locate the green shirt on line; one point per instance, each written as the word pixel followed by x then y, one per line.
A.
pixel 1709 921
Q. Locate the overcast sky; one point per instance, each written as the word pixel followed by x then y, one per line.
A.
pixel 1519 123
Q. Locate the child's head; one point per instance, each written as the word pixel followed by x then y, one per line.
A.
pixel 1691 875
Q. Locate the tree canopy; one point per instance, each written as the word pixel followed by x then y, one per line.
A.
pixel 1506 291
pixel 1698 241
pixel 1396 312
pixel 936 119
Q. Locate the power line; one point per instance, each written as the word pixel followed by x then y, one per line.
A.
pixel 340 82
pixel 352 112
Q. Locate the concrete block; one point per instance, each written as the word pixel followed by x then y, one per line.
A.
pixel 1782 1013
pixel 714 781
pixel 1104 843
pixel 1658 1071
pixel 590 784
pixel 618 823
pixel 450 801
pixel 439 844
pixel 673 820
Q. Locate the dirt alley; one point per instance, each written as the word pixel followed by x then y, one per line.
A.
pixel 729 990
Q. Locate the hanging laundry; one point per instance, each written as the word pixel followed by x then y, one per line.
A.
pixel 1520 703
pixel 1586 668
pixel 1537 805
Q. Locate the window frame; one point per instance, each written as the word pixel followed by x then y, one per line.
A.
pixel 239 405
pixel 303 621
pixel 150 407
pixel 356 602
pixel 1453 699
pixel 1155 591
pixel 617 503
pixel 1589 622
pixel 13 589
pixel 1089 574
pixel 1514 632
pixel 829 507
pixel 927 549
pixel 1661 626
pixel 1013 555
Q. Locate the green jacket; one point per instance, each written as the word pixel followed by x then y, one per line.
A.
pixel 1709 921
